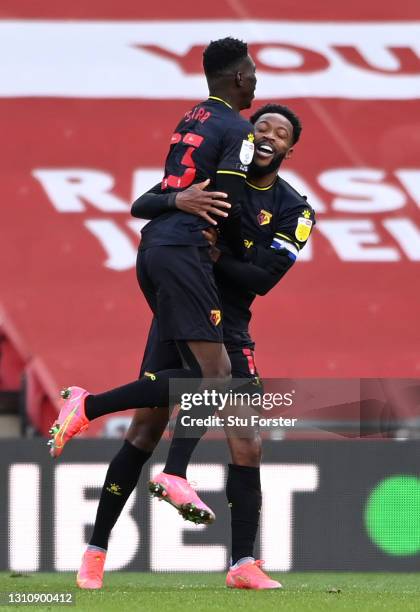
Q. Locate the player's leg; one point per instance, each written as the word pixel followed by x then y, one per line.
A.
pixel 204 349
pixel 124 472
pixel 121 479
pixel 164 275
pixel 196 327
pixel 214 363
pixel 141 439
pixel 199 340
pixel 171 484
pixel 243 492
pixel 144 433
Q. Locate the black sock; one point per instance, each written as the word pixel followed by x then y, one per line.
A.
pixel 121 479
pixel 149 391
pixel 184 441
pixel 243 491
pixel 179 456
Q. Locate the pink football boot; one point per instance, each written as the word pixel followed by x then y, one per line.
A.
pixel 178 492
pixel 250 576
pixel 71 420
pixel 91 572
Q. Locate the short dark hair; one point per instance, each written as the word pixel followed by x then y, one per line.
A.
pixel 279 109
pixel 223 54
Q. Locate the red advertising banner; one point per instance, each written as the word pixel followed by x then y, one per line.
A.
pixel 89 97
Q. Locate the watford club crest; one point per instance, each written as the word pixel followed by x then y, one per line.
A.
pixel 264 217
pixel 215 317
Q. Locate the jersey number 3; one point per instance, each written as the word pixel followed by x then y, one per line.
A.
pixel 192 141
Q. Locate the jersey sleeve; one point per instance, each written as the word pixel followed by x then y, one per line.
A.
pixel 153 203
pixel 237 150
pixel 293 231
pixel 260 278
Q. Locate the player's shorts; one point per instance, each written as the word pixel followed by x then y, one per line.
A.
pixel 179 286
pixel 159 355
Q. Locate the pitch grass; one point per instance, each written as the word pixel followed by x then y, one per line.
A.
pixel 314 592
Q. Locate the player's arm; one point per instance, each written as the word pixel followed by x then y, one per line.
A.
pixel 193 200
pixel 269 265
pixel 251 277
pixel 153 203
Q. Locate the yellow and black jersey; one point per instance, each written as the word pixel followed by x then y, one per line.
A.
pixel 212 141
pixel 276 222
pixel 277 217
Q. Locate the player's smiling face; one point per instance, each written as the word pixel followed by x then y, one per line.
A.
pixel 273 140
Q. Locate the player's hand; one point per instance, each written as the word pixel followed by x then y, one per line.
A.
pixel 211 235
pixel 196 201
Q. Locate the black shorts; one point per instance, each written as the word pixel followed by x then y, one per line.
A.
pixel 179 286
pixel 160 355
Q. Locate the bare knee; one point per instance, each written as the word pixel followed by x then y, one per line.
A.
pixel 147 427
pixel 246 451
pixel 211 359
pixel 220 369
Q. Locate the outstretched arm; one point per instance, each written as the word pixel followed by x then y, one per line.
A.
pixel 193 200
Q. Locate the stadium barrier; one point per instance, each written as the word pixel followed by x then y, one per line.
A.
pixel 328 505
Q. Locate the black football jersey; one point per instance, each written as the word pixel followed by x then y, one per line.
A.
pixel 211 138
pixel 276 217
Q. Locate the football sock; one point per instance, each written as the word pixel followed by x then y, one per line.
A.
pixel 185 439
pixel 179 456
pixel 150 390
pixel 120 481
pixel 243 492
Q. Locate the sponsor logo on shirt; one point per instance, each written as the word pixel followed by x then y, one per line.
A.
pixel 247 152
